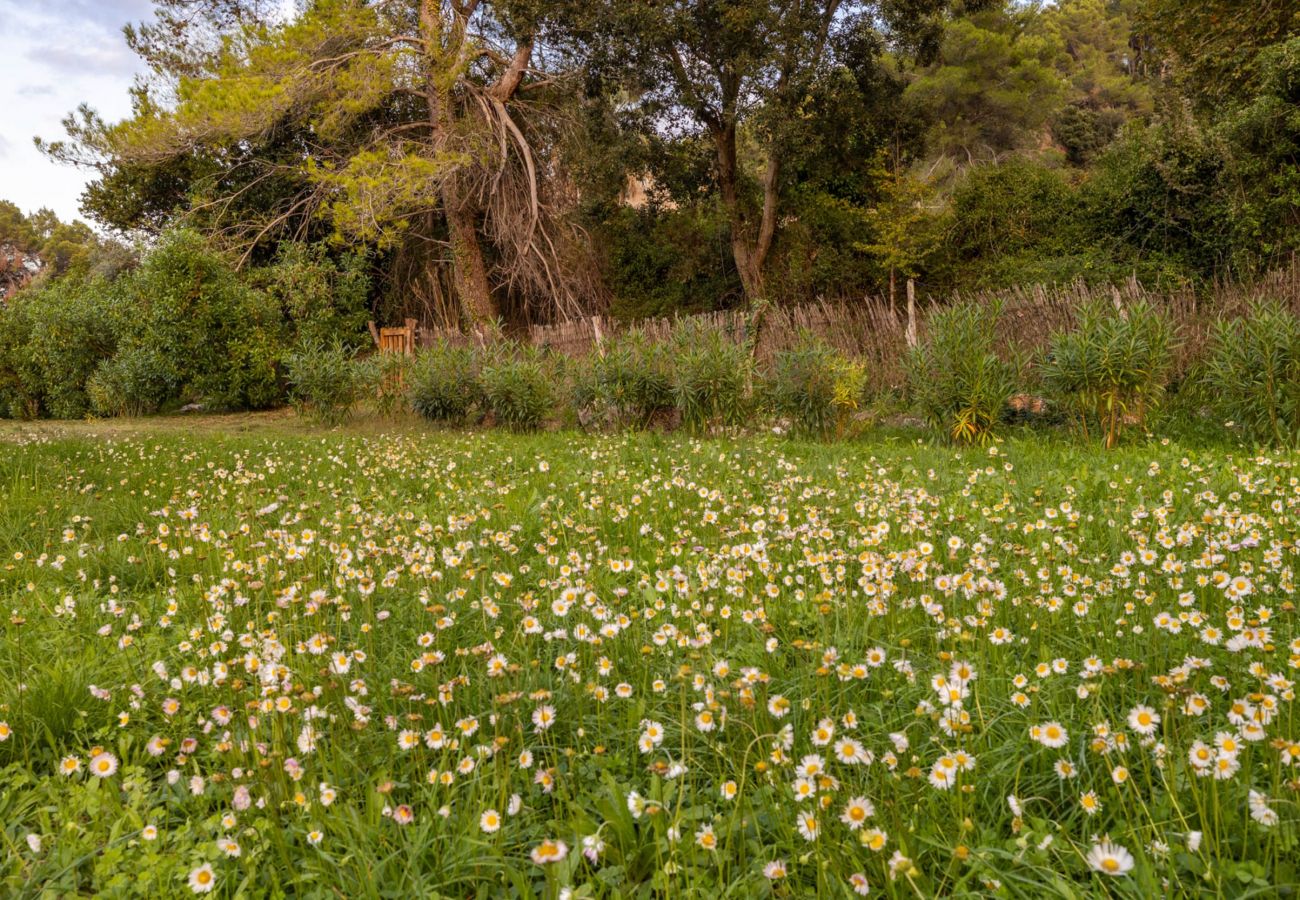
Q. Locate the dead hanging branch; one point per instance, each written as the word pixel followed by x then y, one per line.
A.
pixel 543 262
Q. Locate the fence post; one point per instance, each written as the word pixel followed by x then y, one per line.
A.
pixel 911 313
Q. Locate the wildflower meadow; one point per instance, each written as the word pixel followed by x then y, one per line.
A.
pixel 642 665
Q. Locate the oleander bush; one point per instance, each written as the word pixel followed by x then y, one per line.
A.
pixel 445 383
pixel 519 387
pixel 957 377
pixel 634 378
pixel 816 388
pixel 712 376
pixel 325 380
pixel 1112 368
pixel 1253 373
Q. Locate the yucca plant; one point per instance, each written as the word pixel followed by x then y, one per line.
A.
pixel 956 377
pixel 1253 373
pixel 1112 368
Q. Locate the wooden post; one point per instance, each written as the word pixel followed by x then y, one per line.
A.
pixel 410 336
pixel 600 338
pixel 911 313
pixel 1118 300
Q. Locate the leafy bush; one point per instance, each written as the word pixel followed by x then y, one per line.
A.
pixel 1013 222
pixel 325 380
pixel 52 338
pixel 1112 368
pixel 711 376
pixel 1253 373
pixel 518 388
pixel 816 387
pixel 188 323
pixel 445 383
pixel 959 382
pixel 634 378
pixel 665 261
pixel 222 339
pixel 1157 197
pixel 322 296
pixel 20 376
pixel 133 382
pixel 385 378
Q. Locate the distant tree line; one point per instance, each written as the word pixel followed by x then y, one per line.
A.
pixel 529 160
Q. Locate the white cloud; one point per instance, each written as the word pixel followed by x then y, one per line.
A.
pixel 56 55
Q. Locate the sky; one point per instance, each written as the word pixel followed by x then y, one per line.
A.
pixel 54 55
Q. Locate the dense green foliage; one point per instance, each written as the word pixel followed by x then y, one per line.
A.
pixel 958 378
pixel 1253 373
pixel 293 185
pixel 183 327
pixel 1111 369
pixel 666 159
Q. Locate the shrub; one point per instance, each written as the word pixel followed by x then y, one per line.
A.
pixel 1253 373
pixel 385 378
pixel 634 379
pixel 518 388
pixel 1112 368
pixel 816 387
pixel 134 382
pixel 20 376
pixel 211 334
pixel 711 376
pixel 444 383
pixel 1020 212
pixel 52 338
pixel 325 380
pixel 959 382
pixel 583 384
pixel 322 295
pixel 222 338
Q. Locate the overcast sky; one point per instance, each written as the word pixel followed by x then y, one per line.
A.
pixel 55 54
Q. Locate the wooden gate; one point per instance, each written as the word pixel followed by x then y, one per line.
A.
pixel 395 340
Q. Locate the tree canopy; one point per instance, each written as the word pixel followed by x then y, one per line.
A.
pixel 533 160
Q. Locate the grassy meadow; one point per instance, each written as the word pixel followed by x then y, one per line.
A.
pixel 289 662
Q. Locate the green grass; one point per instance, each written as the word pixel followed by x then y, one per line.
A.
pixel 729 597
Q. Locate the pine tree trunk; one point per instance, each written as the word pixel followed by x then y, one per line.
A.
pixel 447 39
pixel 468 266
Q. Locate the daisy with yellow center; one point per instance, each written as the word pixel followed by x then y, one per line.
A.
pixel 549 851
pixel 103 765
